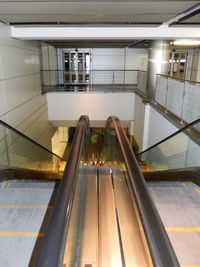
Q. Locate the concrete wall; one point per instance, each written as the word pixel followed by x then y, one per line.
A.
pixel 21 102
pixel 98 106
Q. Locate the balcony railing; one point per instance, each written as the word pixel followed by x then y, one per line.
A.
pixel 93 80
pixel 180 97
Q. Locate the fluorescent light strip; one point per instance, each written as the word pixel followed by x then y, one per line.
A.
pixel 187 42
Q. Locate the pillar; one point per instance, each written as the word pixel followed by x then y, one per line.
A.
pixel 158 63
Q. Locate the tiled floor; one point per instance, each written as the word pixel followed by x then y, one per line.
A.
pixel 179 207
pixel 23 207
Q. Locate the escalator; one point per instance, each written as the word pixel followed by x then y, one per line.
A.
pixel 103 215
pixel 88 213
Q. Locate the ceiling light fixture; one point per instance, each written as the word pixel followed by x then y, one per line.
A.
pixel 186 42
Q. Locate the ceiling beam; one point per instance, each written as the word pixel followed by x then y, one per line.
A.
pixel 184 15
pixel 135 43
pixel 104 33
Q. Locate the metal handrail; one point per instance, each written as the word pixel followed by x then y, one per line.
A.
pixel 28 138
pixel 170 136
pixel 94 70
pixel 178 79
pixel 51 253
pixel 160 247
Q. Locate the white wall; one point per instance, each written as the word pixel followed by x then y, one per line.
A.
pixel 107 59
pixel 159 127
pixel 48 64
pixel 98 106
pixel 21 102
pixel 136 58
pixel 150 126
pixel 49 57
pixel 117 59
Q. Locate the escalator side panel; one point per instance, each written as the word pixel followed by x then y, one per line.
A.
pixel 90 226
pixel 82 239
pixel 133 245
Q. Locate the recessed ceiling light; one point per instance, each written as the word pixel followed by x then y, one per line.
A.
pixel 186 42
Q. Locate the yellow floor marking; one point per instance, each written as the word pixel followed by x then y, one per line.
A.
pixel 183 229
pixel 25 207
pixel 35 234
pixel 197 190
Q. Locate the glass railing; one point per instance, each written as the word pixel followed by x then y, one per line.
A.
pixel 17 151
pixel 180 97
pixel 142 81
pixel 180 150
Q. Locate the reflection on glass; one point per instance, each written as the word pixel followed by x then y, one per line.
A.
pixel 177 63
pixel 180 151
pixel 111 152
pixel 18 152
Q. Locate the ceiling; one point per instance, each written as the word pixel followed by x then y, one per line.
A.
pixel 69 12
pixel 81 12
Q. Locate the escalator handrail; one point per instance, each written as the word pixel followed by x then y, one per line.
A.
pixel 183 129
pixel 52 250
pixel 160 247
pixel 28 138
